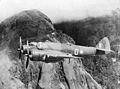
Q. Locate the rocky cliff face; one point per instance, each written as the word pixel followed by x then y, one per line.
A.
pixel 33 25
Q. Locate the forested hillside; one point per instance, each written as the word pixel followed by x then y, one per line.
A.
pixel 88 32
pixel 85 31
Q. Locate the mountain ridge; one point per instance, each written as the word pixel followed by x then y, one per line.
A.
pixel 34 26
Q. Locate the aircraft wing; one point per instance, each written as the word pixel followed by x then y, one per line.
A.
pixel 59 54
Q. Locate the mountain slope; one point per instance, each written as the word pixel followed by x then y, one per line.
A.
pixel 33 25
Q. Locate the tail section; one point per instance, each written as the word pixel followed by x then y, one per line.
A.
pixel 103 47
pixel 104 44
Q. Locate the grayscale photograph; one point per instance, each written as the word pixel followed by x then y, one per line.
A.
pixel 59 44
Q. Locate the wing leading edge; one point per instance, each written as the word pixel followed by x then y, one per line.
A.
pixel 58 54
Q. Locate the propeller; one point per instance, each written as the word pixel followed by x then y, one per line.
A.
pixel 27 49
pixel 27 62
pixel 20 49
pixel 20 55
pixel 27 55
pixel 20 42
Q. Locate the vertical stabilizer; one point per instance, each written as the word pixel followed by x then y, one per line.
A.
pixel 104 44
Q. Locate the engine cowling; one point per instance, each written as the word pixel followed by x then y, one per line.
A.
pixel 38 55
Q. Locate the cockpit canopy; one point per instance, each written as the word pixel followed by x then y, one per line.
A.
pixel 41 45
pixel 33 43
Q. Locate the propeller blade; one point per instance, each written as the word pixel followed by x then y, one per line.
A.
pixel 28 47
pixel 20 55
pixel 27 62
pixel 20 48
pixel 20 42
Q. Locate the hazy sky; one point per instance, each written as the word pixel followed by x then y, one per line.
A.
pixel 58 10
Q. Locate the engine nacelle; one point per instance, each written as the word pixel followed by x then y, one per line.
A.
pixel 35 55
pixel 38 55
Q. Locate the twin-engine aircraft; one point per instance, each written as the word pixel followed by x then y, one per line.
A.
pixel 54 52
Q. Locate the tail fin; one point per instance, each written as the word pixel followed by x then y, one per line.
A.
pixel 103 47
pixel 104 44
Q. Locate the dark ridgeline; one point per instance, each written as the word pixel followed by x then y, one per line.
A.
pixel 92 29
pixel 89 32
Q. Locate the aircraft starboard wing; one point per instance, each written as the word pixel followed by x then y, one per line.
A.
pixel 58 54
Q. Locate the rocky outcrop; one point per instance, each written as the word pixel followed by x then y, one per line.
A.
pixel 33 25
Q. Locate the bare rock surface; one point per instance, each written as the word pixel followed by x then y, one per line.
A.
pixel 7 81
pixel 33 25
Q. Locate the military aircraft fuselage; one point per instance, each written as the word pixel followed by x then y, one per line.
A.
pixel 75 50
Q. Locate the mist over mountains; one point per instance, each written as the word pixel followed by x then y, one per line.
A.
pixel 73 9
